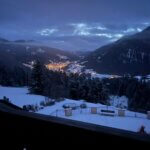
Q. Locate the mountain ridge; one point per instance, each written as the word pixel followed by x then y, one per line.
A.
pixel 129 55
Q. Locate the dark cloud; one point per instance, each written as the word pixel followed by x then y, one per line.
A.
pixel 27 18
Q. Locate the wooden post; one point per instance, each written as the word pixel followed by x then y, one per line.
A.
pixel 148 114
pixel 56 113
pixel 68 112
pixel 121 112
pixel 93 110
pixel 80 110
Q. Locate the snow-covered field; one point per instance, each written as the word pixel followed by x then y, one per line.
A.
pixel 130 122
pixel 20 97
pixel 147 78
pixel 78 67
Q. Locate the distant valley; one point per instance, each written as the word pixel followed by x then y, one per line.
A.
pixel 128 56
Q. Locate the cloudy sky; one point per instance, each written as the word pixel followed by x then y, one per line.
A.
pixel 72 24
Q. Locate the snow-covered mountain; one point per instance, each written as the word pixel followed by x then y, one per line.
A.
pixel 129 55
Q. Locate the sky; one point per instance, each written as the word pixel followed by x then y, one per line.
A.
pixel 72 24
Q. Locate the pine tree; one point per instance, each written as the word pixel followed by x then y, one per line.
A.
pixel 37 81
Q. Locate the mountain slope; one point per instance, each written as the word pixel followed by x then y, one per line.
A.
pixel 129 55
pixel 19 53
pixel 3 40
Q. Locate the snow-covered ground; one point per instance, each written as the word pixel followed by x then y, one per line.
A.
pixel 75 67
pixel 78 67
pixel 130 122
pixel 147 78
pixel 62 57
pixel 20 97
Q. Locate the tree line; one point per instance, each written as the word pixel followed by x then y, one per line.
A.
pixel 15 76
pixel 58 85
pixel 137 91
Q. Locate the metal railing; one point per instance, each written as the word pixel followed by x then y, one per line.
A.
pixel 99 111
